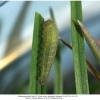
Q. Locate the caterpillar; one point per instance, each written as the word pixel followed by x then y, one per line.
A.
pixel 48 47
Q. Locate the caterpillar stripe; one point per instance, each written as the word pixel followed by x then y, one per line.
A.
pixel 48 47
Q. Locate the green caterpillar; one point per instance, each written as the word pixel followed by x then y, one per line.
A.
pixel 48 47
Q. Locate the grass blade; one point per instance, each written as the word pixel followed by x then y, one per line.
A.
pixel 91 42
pixel 34 86
pixel 78 50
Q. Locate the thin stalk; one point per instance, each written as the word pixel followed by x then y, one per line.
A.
pixel 90 67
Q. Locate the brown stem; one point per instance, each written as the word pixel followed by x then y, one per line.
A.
pixel 90 67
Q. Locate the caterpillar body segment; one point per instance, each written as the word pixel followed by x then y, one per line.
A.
pixel 49 44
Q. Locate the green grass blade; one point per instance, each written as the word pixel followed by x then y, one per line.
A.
pixel 34 86
pixel 58 80
pixel 91 42
pixel 78 50
pixel 44 89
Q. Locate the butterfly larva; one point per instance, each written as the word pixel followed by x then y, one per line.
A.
pixel 48 47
